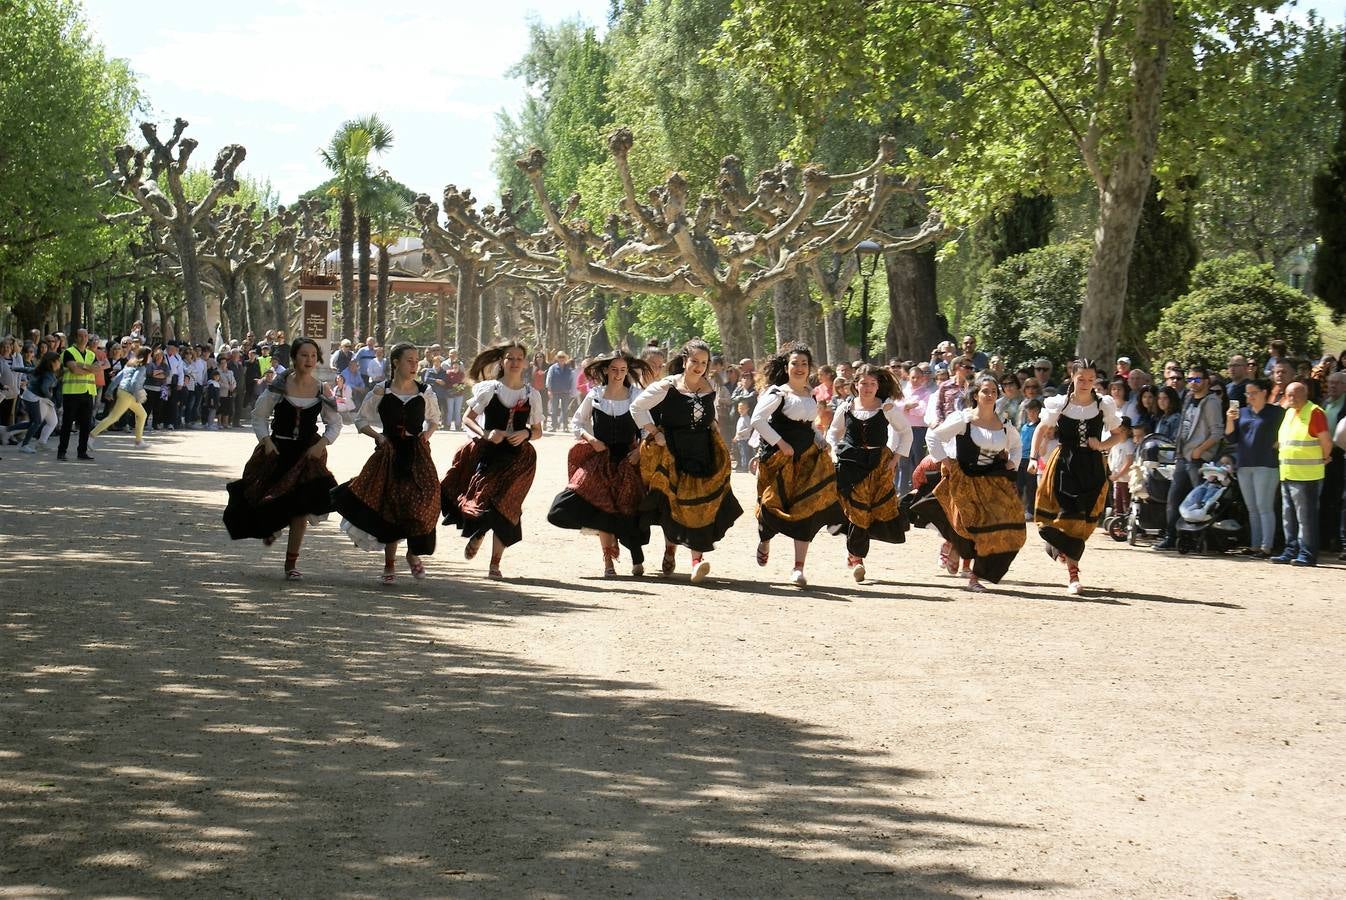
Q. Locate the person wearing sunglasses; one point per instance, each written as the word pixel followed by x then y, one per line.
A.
pixel 1200 430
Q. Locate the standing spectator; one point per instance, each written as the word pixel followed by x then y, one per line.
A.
pixel 177 386
pixel 1121 398
pixel 228 386
pixel 1276 352
pixel 561 387
pixel 915 400
pixel 1199 434
pixel 1170 413
pixel 1254 428
pixel 744 392
pixel 378 368
pixel 742 432
pixel 432 373
pixel 252 374
pixel 948 397
pixel 355 382
pixel 1305 448
pixel 1011 398
pixel 342 357
pixel 156 388
pixel 1026 479
pixel 78 391
pixel 264 359
pixel 1334 408
pixel 238 390
pixel 1280 381
pixel 1123 369
pixel 196 388
pixel 1238 377
pixel 980 361
pixel 537 373
pixel 823 392
pixel 1120 458
pixel 364 356
pixel 280 351
pixel 455 380
pixel 1042 371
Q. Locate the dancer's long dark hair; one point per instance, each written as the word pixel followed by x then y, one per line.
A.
pixel 678 363
pixel 778 367
pixel 490 363
pixel 970 395
pixel 888 387
pixel 638 372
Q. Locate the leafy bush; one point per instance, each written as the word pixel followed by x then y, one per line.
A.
pixel 1030 304
pixel 1235 306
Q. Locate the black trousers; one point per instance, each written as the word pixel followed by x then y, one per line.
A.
pixel 77 411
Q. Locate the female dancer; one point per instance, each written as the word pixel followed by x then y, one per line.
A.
pixel 684 463
pixel 869 435
pixel 975 505
pixel 396 494
pixel 604 490
pixel 796 479
pixel 1072 492
pixel 484 488
pixel 128 387
pixel 286 481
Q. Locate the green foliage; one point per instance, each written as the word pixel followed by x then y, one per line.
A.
pixel 1161 261
pixel 1236 305
pixel 1030 304
pixel 1256 184
pixel 63 106
pixel 347 155
pixel 672 318
pixel 255 192
pixel 1024 225
pixel 1329 201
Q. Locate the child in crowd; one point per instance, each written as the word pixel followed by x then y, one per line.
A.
pixel 1027 482
pixel 742 431
pixel 212 399
pixel 841 391
pixel 1120 458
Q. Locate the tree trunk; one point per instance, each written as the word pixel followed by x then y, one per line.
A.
pixel 76 308
pixel 465 334
pixel 280 317
pixel 145 317
pixel 791 309
pixel 1123 196
pixel 347 238
pixel 555 322
pixel 363 328
pixel 758 329
pixel 598 341
pixel 485 318
pixel 185 237
pixel 259 318
pixel 506 317
pixel 913 326
pixel 381 301
pixel 731 316
pixel 834 336
pixel 166 330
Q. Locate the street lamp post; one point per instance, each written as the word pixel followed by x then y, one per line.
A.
pixel 867 255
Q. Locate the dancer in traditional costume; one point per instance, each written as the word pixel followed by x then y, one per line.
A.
pixel 870 434
pixel 975 505
pixel 684 463
pixel 396 495
pixel 286 483
pixel 796 478
pixel 604 490
pixel 1073 490
pixel 484 489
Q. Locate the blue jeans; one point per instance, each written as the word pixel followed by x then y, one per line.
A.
pixel 744 450
pixel 560 411
pixel 453 412
pixel 1258 486
pixel 1299 513
pixel 906 465
pixel 1186 476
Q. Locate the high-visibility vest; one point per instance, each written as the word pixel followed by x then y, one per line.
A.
pixel 79 384
pixel 1301 454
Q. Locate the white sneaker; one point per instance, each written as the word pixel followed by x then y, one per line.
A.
pixel 141 445
pixel 700 572
pixel 27 448
pixel 797 578
pixel 858 572
pixel 1074 589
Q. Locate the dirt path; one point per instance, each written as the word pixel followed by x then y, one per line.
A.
pixel 175 720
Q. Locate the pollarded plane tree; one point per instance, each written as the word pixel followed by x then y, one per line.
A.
pixel 159 194
pixel 729 249
pixel 481 269
pixel 231 252
pixel 299 238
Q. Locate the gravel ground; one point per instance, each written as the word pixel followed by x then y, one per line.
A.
pixel 176 720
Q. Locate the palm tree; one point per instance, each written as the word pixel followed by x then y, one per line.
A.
pixel 390 219
pixel 347 156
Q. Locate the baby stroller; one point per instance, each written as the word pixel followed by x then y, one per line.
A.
pixel 1150 479
pixel 1212 515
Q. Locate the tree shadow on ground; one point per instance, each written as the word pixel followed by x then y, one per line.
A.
pixel 191 724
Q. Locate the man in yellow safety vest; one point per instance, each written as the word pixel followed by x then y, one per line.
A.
pixel 1305 446
pixel 79 389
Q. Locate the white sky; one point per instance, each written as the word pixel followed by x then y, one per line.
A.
pixel 279 76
